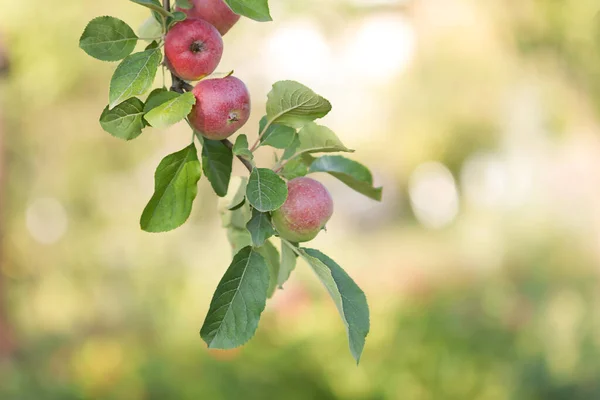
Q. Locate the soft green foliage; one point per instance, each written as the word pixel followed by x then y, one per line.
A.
pixel 108 39
pixel 125 120
pixel 175 188
pixel 266 191
pixel 352 173
pixel 134 76
pixel 288 263
pixel 293 104
pixel 260 228
pixel 217 161
pixel 240 148
pixel 239 300
pixel 278 136
pixel 257 10
pixel 349 299
pixel 246 207
pixel 154 5
pixel 171 111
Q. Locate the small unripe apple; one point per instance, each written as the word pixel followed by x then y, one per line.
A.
pixel 193 49
pixel 305 212
pixel 216 12
pixel 222 107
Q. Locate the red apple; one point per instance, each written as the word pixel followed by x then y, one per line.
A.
pixel 222 107
pixel 193 49
pixel 216 12
pixel 305 212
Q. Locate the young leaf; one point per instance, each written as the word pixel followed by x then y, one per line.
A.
pixel 271 255
pixel 185 4
pixel 134 76
pixel 217 161
pixel 293 104
pixel 177 17
pixel 260 228
pixel 295 168
pixel 266 191
pixel 352 173
pixel 319 139
pixel 150 28
pixel 175 188
pixel 125 120
pixel 154 5
pixel 288 263
pixel 171 111
pixel 240 148
pixel 349 299
pixel 108 39
pixel 239 300
pixel 257 10
pixel 157 97
pixel 278 136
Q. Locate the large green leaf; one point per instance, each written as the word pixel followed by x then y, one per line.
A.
pixel 134 76
pixel 319 139
pixel 171 111
pixel 217 162
pixel 349 299
pixel 125 120
pixel 154 5
pixel 266 191
pixel 278 136
pixel 175 188
pixel 239 300
pixel 288 263
pixel 108 39
pixel 293 104
pixel 257 10
pixel 260 228
pixel 352 173
pixel 271 255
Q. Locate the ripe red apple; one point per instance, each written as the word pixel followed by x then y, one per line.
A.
pixel 216 12
pixel 305 212
pixel 222 107
pixel 193 48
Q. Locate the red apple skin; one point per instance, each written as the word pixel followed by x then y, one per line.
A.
pixel 215 12
pixel 193 49
pixel 222 107
pixel 305 212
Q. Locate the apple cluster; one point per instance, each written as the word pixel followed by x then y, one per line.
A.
pixel 193 50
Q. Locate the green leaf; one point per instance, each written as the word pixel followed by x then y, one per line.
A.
pixel 125 120
pixel 150 28
pixel 108 39
pixel 352 173
pixel 152 45
pixel 266 191
pixel 349 299
pixel 238 239
pixel 278 136
pixel 239 300
pixel 178 16
pixel 288 263
pixel 134 76
pixel 154 5
pixel 294 168
pixel 257 10
pixel 293 104
pixel 217 162
pixel 240 148
pixel 260 228
pixel 319 139
pixel 175 188
pixel 185 4
pixel 236 194
pixel 171 111
pixel 157 97
pixel 271 255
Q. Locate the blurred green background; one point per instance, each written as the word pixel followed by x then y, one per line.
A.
pixel 480 118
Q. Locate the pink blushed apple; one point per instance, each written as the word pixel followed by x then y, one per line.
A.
pixel 222 107
pixel 305 212
pixel 193 49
